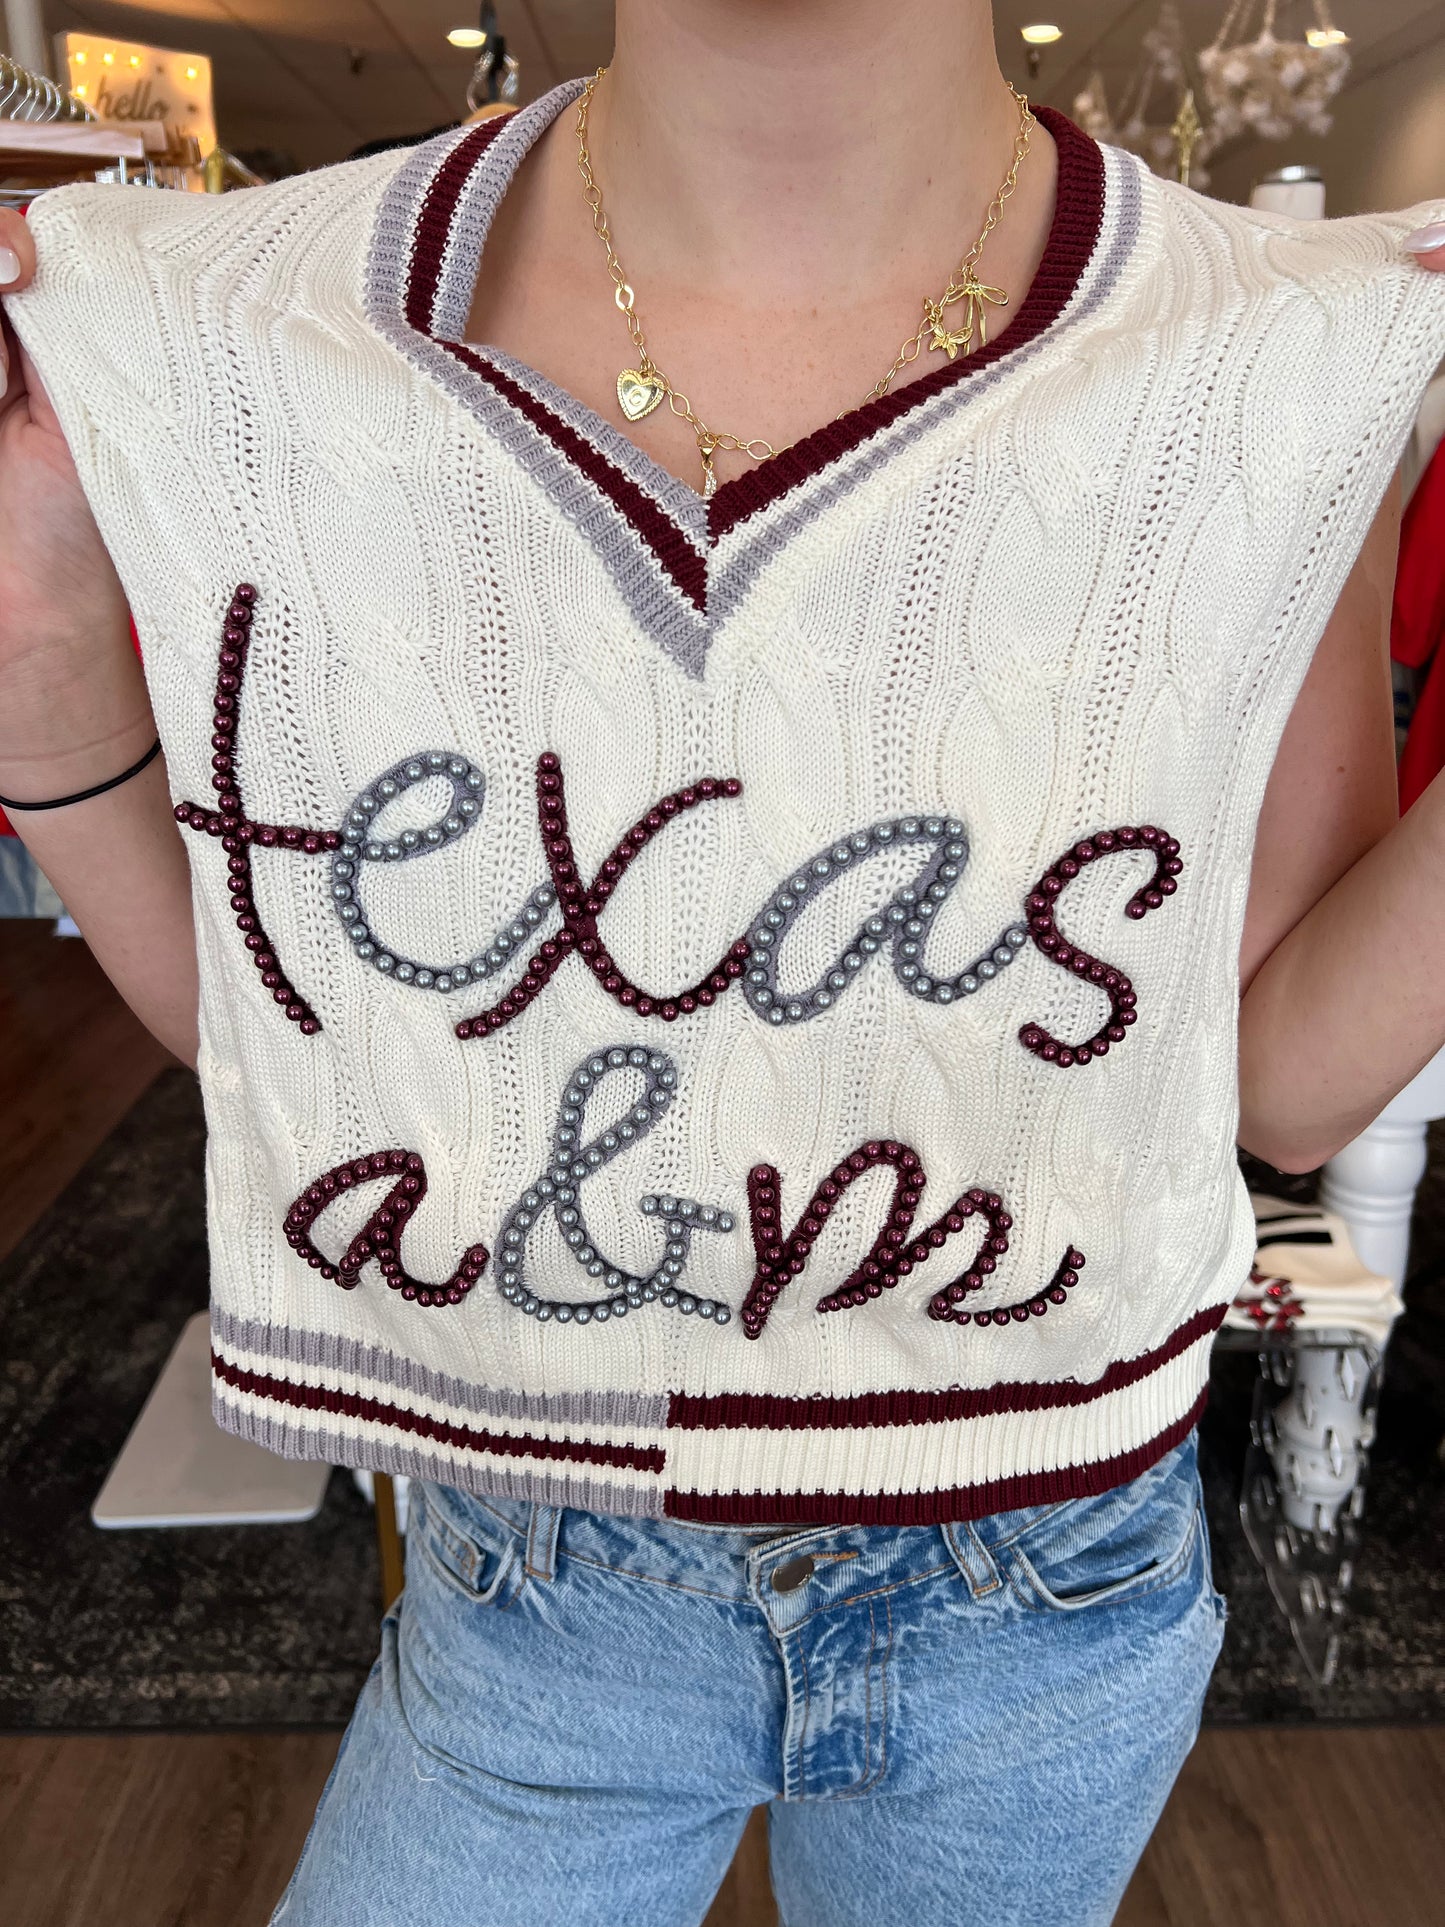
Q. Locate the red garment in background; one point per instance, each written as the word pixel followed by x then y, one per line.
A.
pixel 5 827
pixel 1417 626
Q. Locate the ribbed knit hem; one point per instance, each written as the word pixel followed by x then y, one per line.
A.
pixel 946 1455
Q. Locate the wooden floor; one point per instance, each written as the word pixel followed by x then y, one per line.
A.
pixel 1267 1828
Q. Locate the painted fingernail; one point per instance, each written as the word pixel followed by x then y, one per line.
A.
pixel 1426 239
pixel 9 266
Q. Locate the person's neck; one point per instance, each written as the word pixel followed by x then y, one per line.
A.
pixel 798 148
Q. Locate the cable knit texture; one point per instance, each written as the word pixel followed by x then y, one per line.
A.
pixel 722 1009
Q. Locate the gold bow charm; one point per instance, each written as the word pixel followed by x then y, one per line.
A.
pixel 975 294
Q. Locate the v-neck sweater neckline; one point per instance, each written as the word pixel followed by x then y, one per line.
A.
pixel 428 248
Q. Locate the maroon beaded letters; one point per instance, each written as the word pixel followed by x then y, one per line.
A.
pixel 237 831
pixel 581 905
pixel 1116 986
pixel 380 1236
pixel 893 1254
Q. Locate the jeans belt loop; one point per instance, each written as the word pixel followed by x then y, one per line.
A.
pixel 974 1557
pixel 542 1535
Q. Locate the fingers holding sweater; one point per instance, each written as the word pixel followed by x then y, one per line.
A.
pixel 17 271
pixel 17 252
pixel 1427 244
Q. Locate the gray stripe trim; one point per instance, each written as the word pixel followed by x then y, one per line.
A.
pixel 729 584
pixel 661 609
pixel 290 1441
pixel 476 207
pixel 683 504
pixel 653 600
pixel 331 1352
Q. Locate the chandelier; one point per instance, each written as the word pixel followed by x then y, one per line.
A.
pixel 1267 87
pixel 1161 68
pixel 495 80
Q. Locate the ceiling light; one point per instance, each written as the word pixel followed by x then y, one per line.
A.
pixel 1041 35
pixel 467 37
pixel 109 59
pixel 1326 36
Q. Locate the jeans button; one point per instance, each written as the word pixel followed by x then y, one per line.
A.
pixel 792 1574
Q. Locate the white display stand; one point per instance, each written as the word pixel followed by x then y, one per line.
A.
pixel 178 1468
pixel 1371 1183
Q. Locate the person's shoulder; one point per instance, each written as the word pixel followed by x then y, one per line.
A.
pixel 89 228
pixel 1338 257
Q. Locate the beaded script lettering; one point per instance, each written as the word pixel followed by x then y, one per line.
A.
pixel 380 1237
pixel 893 1255
pixel 581 905
pixel 901 925
pixel 1050 940
pixel 575 1158
pixel 558 1190
pixel 360 845
pixel 230 822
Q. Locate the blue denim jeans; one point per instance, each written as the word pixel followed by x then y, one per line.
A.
pixel 573 1714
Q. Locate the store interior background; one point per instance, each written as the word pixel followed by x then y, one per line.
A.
pixel 307 81
pixel 1291 1821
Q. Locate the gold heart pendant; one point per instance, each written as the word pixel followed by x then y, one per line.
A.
pixel 638 394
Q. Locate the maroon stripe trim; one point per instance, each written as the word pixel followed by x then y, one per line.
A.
pixel 434 222
pixel 732 1410
pixel 676 555
pixel 931 1508
pixel 464 1438
pixel 1078 213
pixel 1073 235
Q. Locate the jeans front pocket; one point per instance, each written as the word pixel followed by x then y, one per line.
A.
pixel 470 1551
pixel 1109 1548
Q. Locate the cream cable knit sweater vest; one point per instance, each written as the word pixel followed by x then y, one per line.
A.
pixel 729 1009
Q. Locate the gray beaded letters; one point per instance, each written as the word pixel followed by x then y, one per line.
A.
pixel 559 1190
pixel 902 924
pixel 360 845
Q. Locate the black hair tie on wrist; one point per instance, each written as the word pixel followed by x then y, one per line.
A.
pixel 8 803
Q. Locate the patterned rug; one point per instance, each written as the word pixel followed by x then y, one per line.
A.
pixel 276 1625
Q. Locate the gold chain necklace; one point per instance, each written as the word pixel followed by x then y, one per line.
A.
pixel 645 387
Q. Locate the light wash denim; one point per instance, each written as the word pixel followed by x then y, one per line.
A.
pixel 573 1714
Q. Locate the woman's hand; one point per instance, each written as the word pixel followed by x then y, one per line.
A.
pixel 74 709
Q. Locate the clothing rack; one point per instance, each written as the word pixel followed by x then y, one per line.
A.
pixel 50 135
pixel 33 97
